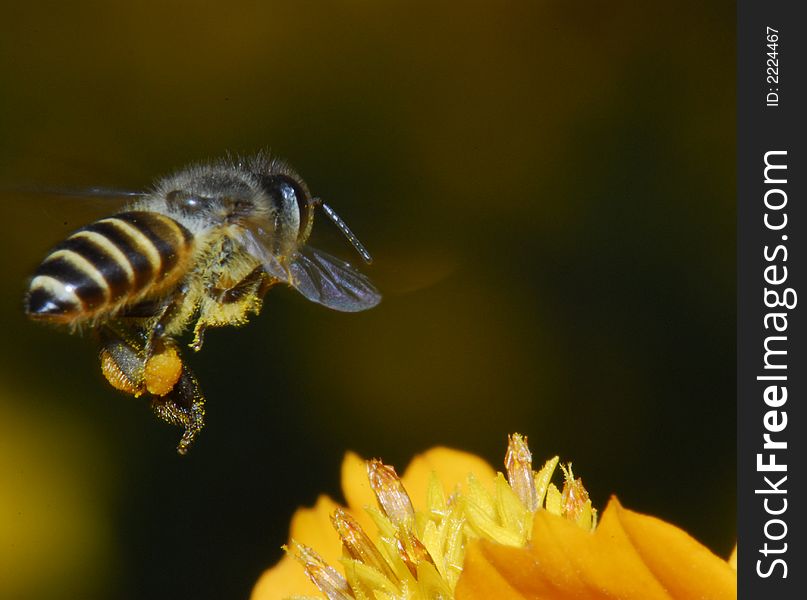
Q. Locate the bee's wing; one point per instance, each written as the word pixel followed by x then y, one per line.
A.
pixel 62 209
pixel 317 275
pixel 329 281
pixel 253 239
pixel 94 192
pixel 67 192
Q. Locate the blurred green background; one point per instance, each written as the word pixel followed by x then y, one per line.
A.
pixel 548 190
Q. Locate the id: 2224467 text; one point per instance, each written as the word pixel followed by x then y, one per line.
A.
pixel 772 67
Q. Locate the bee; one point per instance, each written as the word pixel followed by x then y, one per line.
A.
pixel 200 250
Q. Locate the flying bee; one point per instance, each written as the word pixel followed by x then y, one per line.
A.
pixel 199 250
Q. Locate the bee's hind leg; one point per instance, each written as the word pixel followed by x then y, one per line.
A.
pixel 175 394
pixel 123 362
pixel 184 406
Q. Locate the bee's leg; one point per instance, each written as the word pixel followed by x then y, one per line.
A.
pixel 230 305
pixel 151 318
pixel 175 394
pixel 132 368
pixel 256 283
pixel 165 315
pixel 122 359
pixel 155 317
pixel 184 405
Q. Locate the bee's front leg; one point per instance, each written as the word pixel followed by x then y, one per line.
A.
pixel 231 304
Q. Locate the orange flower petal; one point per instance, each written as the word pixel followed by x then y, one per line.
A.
pixel 630 556
pixel 311 527
pixel 564 563
pixel 452 468
pixel 670 553
pixel 483 576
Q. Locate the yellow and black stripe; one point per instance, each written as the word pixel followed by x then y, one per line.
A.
pixel 107 264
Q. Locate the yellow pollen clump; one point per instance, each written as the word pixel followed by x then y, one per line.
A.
pixel 162 371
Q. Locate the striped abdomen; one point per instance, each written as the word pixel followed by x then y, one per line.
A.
pixel 108 264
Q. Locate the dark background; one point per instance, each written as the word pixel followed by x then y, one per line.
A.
pixel 548 190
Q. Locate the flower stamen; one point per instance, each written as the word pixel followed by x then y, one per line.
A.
pixel 390 493
pixel 329 581
pixel 357 545
pixel 518 462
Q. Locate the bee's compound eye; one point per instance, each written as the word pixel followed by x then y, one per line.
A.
pixel 184 201
pixel 287 193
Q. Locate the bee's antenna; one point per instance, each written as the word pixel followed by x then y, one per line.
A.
pixel 337 220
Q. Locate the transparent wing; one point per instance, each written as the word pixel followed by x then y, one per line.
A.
pixel 317 275
pixel 325 279
pixel 253 240
pixel 96 192
pixel 59 211
pixel 67 192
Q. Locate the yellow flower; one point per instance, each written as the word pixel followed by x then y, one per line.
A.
pixel 452 528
